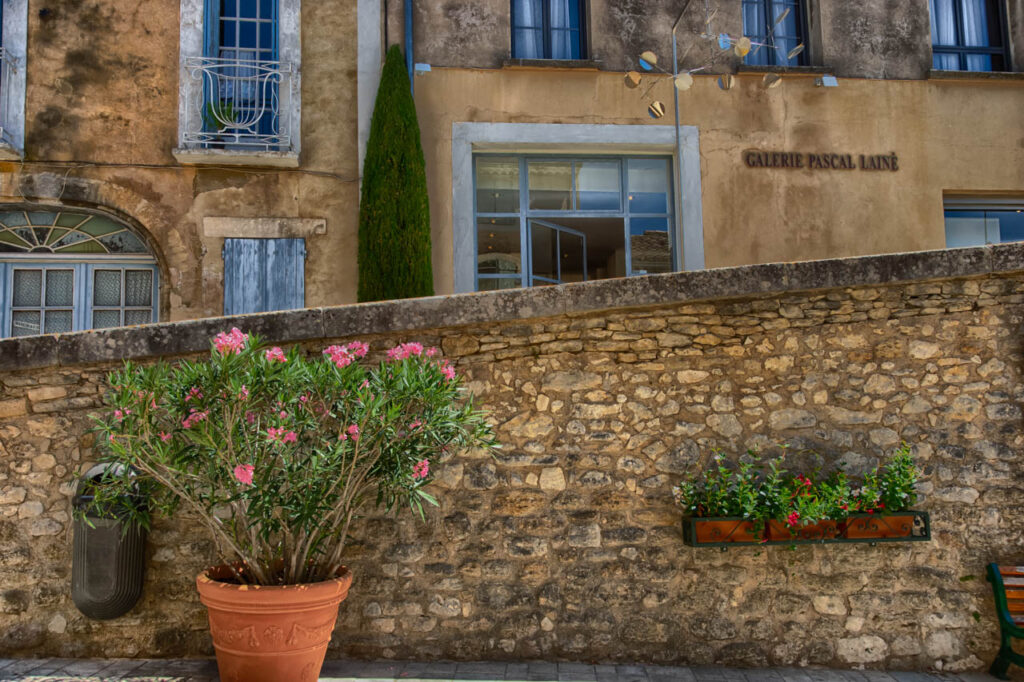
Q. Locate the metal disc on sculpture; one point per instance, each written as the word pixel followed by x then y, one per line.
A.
pixel 782 17
pixel 771 80
pixel 725 81
pixel 795 51
pixel 683 82
pixel 656 109
pixel 648 60
pixel 742 47
pixel 633 79
pixel 724 41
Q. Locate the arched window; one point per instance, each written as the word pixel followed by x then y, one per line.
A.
pixel 63 271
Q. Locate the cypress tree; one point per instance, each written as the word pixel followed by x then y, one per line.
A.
pixel 394 214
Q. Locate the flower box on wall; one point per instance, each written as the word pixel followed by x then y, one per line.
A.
pixel 904 526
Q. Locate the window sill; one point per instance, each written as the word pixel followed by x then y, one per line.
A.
pixel 583 64
pixel 793 70
pixel 9 152
pixel 232 157
pixel 937 75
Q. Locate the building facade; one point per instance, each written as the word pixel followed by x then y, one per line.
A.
pixel 164 160
pixel 847 129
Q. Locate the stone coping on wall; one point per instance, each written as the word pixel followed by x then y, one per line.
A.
pixel 178 338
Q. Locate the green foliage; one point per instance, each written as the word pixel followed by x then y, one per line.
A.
pixel 276 454
pixel 763 490
pixel 394 213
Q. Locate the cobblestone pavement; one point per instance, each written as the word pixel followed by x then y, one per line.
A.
pixel 133 670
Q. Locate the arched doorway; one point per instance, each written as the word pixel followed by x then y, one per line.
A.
pixel 64 270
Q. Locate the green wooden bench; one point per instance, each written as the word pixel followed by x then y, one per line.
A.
pixel 1008 588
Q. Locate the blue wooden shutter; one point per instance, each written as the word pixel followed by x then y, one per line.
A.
pixel 261 275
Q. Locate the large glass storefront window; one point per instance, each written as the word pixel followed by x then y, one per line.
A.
pixel 547 220
pixel 973 223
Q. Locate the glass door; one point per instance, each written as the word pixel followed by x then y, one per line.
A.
pixel 558 254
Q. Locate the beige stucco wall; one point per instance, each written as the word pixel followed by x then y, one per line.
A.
pixel 951 136
pixel 101 121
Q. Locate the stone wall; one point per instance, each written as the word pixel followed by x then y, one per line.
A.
pixel 566 545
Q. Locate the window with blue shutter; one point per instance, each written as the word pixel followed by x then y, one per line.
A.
pixel 261 275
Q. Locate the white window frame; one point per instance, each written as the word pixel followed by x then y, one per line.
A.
pixel 289 52
pixel 573 139
pixel 12 80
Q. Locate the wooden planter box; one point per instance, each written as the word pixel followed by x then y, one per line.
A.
pixel 906 526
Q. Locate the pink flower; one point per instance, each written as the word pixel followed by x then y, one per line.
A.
pixel 792 519
pixel 282 414
pixel 358 348
pixel 339 355
pixel 405 350
pixel 194 394
pixel 448 371
pixel 354 432
pixel 432 351
pixel 342 437
pixel 152 405
pixel 112 438
pixel 244 393
pixel 194 418
pixel 366 382
pixel 250 417
pixel 244 472
pixel 415 425
pixel 421 469
pixel 281 435
pixel 275 354
pixel 231 342
pixel 165 437
pixel 304 398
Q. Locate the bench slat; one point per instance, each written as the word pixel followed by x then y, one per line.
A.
pixel 1015 605
pixel 1014 594
pixel 1011 570
pixel 1013 582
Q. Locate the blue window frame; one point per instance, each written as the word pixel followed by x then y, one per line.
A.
pixel 49 296
pixel 779 26
pixel 63 271
pixel 976 221
pixel 548 29
pixel 261 275
pixel 545 220
pixel 240 85
pixel 968 35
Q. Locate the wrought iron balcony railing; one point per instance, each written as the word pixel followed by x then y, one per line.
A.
pixel 238 102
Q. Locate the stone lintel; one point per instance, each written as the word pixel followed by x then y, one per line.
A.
pixel 263 228
pixel 178 338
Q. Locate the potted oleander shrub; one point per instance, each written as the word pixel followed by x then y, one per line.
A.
pixel 760 501
pixel 277 454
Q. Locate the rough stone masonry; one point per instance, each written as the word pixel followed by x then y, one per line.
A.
pixel 566 545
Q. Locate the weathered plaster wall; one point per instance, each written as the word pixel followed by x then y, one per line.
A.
pixel 101 112
pixel 566 545
pixel 864 39
pixel 766 215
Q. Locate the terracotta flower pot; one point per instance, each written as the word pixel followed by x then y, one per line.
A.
pixel 270 634
pixel 723 530
pixel 782 532
pixel 879 526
